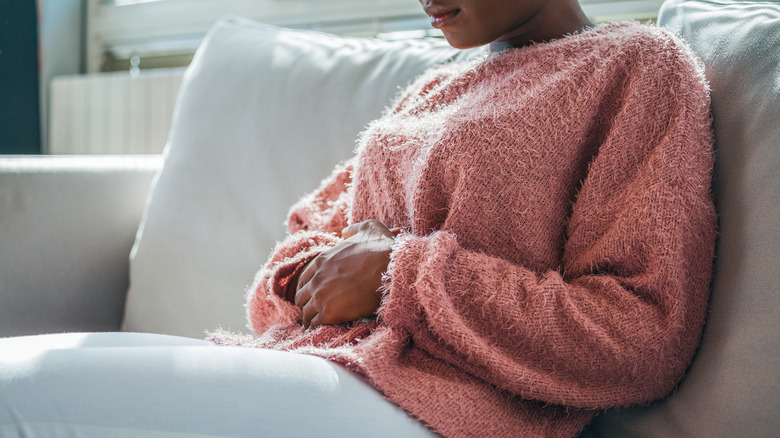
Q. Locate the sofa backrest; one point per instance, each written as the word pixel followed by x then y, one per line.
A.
pixel 732 388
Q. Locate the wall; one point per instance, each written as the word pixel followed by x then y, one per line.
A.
pixel 61 43
pixel 38 41
pixel 19 104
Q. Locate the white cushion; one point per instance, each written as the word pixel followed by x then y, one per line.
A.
pixel 732 387
pixel 263 115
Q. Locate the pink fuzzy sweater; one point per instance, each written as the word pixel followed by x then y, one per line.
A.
pixel 560 236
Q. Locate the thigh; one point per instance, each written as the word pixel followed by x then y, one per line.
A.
pixel 125 384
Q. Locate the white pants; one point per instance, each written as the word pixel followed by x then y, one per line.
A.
pixel 143 385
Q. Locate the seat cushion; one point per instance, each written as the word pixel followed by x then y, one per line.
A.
pixel 127 385
pixel 264 113
pixel 732 387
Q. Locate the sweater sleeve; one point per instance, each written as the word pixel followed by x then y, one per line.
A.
pixel 619 321
pixel 314 224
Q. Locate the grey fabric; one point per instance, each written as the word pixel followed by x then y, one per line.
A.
pixel 121 385
pixel 732 387
pixel 66 228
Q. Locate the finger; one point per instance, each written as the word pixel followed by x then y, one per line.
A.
pixel 371 227
pixel 316 321
pixel 303 296
pixel 396 230
pixel 377 227
pixel 350 231
pixel 306 275
pixel 309 312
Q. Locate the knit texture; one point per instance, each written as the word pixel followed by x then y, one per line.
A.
pixel 559 245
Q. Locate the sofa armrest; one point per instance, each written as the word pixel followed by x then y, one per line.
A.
pixel 67 225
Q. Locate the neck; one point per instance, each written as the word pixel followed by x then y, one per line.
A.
pixel 555 19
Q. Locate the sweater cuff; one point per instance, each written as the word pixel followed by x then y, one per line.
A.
pixel 293 254
pixel 417 267
pixel 267 304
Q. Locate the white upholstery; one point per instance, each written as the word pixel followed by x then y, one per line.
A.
pixel 129 385
pixel 66 227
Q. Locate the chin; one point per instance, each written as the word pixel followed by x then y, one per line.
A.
pixel 460 41
pixel 459 44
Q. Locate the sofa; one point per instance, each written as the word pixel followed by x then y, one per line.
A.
pixel 162 248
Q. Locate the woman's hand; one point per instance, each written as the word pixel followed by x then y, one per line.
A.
pixel 342 283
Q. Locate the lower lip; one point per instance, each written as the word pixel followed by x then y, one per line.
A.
pixel 442 21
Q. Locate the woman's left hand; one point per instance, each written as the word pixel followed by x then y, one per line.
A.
pixel 342 283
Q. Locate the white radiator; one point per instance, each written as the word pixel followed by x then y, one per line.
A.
pixel 112 113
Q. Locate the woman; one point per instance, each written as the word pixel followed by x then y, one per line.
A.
pixel 521 240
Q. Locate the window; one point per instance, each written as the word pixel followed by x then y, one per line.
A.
pixel 165 33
